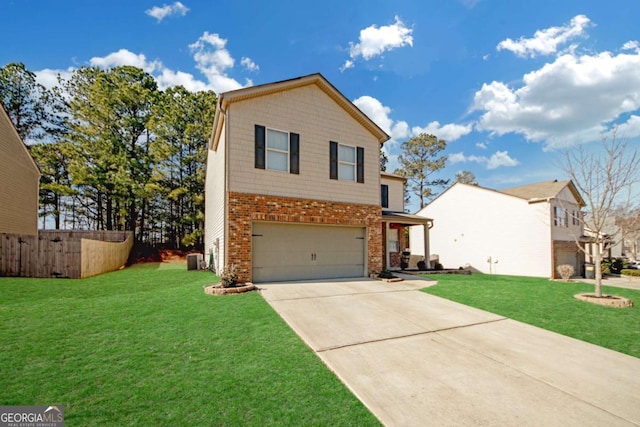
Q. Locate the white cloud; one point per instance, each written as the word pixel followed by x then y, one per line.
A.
pixel 497 159
pixel 570 100
pixel 376 112
pixel 169 78
pixel 213 60
pixel 49 78
pixel 374 41
pixel 630 128
pixel 125 57
pixel 161 12
pixel 631 45
pixel 249 64
pixel 481 145
pixel 501 158
pixel 449 132
pixel 546 42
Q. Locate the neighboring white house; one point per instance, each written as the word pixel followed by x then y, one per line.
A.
pixel 526 231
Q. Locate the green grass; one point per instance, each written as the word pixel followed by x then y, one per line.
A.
pixel 549 305
pixel 146 346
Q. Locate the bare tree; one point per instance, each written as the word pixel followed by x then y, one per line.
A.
pixel 604 178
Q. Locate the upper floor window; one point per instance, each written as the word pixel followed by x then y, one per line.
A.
pixel 384 195
pixel 346 162
pixel 277 150
pixel 575 217
pixel 560 217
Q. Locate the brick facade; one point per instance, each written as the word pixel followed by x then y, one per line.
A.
pixel 244 208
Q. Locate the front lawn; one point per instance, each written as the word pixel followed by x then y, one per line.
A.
pixel 549 305
pixel 146 346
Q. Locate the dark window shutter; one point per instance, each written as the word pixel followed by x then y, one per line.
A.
pixel 384 195
pixel 260 147
pixel 294 153
pixel 360 164
pixel 333 160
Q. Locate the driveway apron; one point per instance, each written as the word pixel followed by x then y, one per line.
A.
pixel 415 359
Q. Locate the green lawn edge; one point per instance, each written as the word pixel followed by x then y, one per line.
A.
pixel 146 346
pixel 549 305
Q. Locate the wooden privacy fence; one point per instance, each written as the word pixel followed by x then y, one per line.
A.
pixel 64 253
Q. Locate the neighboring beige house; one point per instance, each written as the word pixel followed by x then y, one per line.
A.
pixel 19 182
pixel 525 231
pixel 293 187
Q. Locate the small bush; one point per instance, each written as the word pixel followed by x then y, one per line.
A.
pixel 565 271
pixel 438 266
pixel 422 266
pixel 630 272
pixel 386 274
pixel 229 276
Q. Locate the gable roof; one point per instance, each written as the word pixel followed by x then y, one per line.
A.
pixel 5 121
pixel 224 99
pixel 532 193
pixel 542 191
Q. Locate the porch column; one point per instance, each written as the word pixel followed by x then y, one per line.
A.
pixel 427 255
pixel 386 246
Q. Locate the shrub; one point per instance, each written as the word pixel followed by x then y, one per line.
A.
pixel 565 271
pixel 630 272
pixel 606 267
pixel 229 276
pixel 386 274
pixel 422 266
pixel 438 266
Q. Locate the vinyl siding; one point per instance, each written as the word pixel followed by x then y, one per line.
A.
pixel 19 183
pixel 215 203
pixel 473 224
pixel 312 114
pixel 396 193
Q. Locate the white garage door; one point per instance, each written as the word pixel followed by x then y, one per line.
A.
pixel 302 252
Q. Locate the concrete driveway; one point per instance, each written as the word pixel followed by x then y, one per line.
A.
pixel 417 359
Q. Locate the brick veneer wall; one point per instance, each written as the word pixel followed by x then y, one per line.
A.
pixel 246 208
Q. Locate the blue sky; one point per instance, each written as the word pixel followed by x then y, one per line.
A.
pixel 508 84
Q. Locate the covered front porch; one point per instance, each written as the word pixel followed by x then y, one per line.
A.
pixel 396 243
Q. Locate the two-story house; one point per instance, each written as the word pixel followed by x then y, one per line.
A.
pixel 527 230
pixel 293 186
pixel 20 180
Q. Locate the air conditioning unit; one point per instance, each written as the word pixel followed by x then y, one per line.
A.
pixel 194 261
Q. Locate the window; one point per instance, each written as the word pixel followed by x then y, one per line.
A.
pixel 560 217
pixel 346 163
pixel 575 217
pixel 384 195
pixel 277 150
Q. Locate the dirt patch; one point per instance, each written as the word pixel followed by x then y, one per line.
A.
pixel 606 300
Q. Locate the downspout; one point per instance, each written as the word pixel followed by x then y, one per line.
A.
pixel 427 249
pixel 223 263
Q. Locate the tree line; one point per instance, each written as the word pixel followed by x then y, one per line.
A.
pixel 115 151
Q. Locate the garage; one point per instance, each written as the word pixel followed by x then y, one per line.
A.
pixel 285 252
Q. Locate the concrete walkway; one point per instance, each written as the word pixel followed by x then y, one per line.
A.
pixel 419 360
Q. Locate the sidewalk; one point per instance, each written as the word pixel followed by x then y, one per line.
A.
pixel 616 281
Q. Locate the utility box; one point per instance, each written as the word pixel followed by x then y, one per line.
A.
pixel 194 261
pixel 589 271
